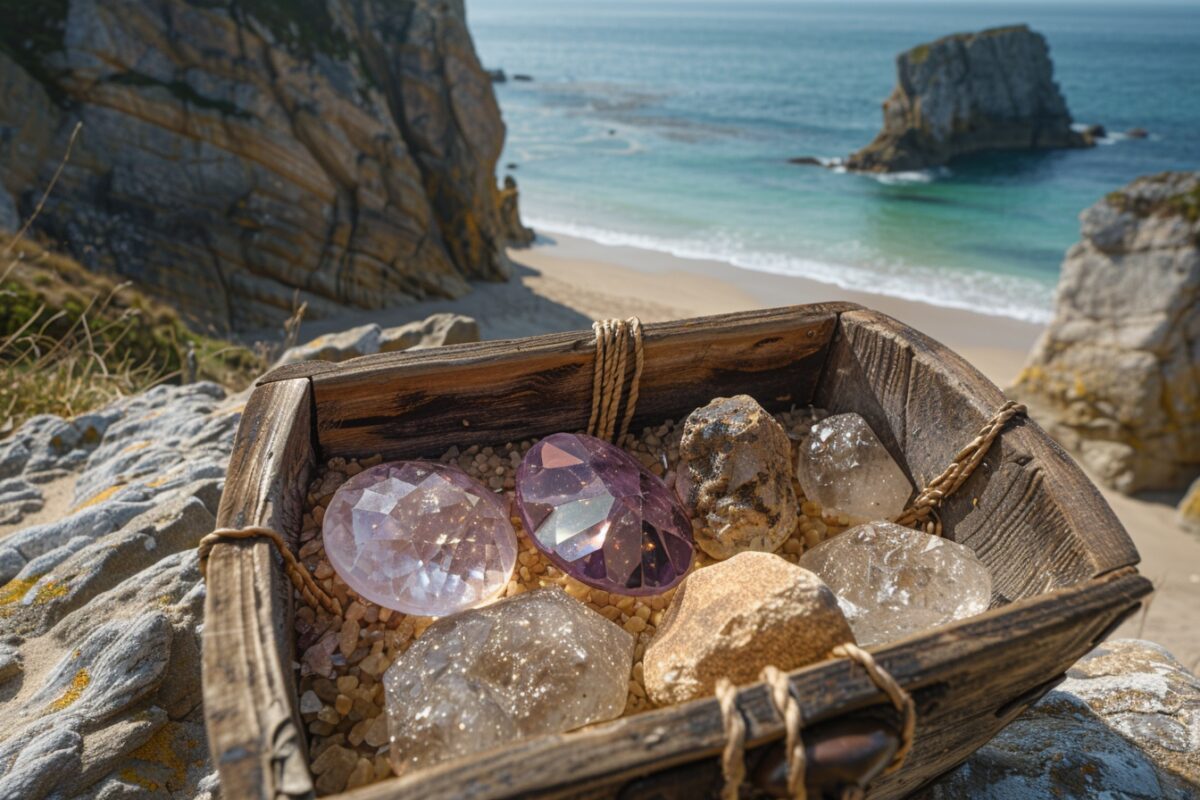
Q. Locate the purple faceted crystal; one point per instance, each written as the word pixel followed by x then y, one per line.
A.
pixel 420 538
pixel 602 517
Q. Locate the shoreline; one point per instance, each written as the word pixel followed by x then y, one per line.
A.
pixel 997 345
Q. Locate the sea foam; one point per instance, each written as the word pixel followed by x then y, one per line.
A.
pixel 973 290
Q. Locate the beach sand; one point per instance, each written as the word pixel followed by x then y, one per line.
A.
pixel 563 283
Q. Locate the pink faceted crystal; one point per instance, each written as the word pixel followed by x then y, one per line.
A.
pixel 602 517
pixel 420 538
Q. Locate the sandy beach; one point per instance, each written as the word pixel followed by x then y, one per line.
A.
pixel 564 283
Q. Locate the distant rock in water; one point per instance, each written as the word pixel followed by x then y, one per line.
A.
pixel 806 161
pixel 1137 133
pixel 497 76
pixel 967 93
pixel 1116 375
pixel 236 154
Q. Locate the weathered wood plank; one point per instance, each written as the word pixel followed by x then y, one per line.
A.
pixel 960 677
pixel 420 403
pixel 1028 511
pixel 254 730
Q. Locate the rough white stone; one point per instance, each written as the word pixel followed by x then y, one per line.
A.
pixel 540 662
pixel 892 581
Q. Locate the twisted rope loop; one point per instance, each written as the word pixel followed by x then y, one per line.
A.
pixel 733 757
pixel 733 767
pixel 608 376
pixel 305 584
pixel 936 491
pixel 787 707
pixel 901 700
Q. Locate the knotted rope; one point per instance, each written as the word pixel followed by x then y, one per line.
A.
pixel 937 490
pixel 608 376
pixel 922 508
pixel 305 584
pixel 733 758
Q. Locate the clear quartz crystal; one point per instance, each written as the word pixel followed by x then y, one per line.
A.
pixel 893 581
pixel 419 537
pixel 537 663
pixel 843 466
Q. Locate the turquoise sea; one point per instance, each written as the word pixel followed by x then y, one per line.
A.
pixel 667 125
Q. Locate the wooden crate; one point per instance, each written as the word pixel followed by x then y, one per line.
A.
pixel 1063 567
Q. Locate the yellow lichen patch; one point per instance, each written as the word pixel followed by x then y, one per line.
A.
pixel 101 496
pixel 157 482
pixel 14 590
pixel 74 691
pixel 159 749
pixel 50 590
pixel 136 446
pixel 130 775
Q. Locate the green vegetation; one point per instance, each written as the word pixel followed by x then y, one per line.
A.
pixel 1181 204
pixel 72 340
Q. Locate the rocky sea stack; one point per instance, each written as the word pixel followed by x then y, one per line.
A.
pixel 968 93
pixel 1116 376
pixel 233 155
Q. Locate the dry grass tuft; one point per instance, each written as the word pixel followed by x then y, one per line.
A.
pixel 72 340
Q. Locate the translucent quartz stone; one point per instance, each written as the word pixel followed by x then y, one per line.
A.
pixel 892 581
pixel 844 467
pixel 540 662
pixel 419 537
pixel 602 517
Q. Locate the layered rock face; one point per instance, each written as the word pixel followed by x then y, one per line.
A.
pixel 237 157
pixel 966 93
pixel 1116 376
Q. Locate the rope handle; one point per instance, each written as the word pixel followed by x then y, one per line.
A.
pixel 964 463
pixel 305 584
pixel 608 376
pixel 779 689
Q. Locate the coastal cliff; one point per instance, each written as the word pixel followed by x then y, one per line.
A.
pixel 1116 376
pixel 238 158
pixel 967 93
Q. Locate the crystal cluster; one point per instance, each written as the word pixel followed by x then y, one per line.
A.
pixel 892 581
pixel 601 516
pixel 844 467
pixel 735 477
pixel 419 537
pixel 537 663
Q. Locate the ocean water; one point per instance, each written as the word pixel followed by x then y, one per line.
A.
pixel 667 125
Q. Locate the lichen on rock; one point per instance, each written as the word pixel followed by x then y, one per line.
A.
pixel 967 93
pixel 1116 375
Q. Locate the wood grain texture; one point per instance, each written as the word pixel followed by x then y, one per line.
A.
pixel 1060 560
pixel 960 677
pixel 254 730
pixel 420 403
pixel 1029 512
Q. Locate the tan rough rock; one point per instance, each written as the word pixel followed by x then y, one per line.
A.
pixel 1116 375
pixel 435 331
pixel 1189 509
pixel 735 477
pixel 966 93
pixel 237 157
pixel 734 618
